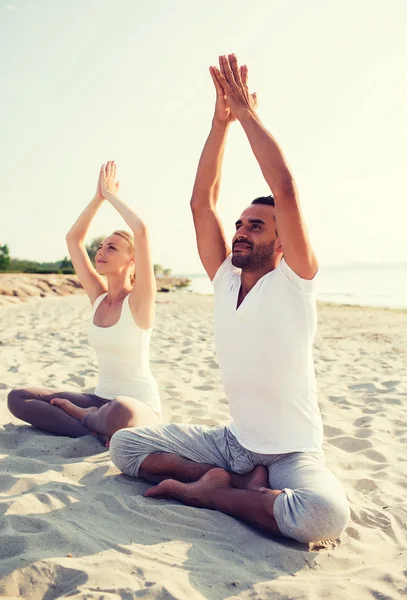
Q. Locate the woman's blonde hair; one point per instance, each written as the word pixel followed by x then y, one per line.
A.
pixel 129 238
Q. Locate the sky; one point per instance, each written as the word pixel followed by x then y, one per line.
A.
pixel 86 81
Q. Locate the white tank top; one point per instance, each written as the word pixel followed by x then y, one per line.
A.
pixel 122 352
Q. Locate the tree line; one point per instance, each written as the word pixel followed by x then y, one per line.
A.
pixel 64 266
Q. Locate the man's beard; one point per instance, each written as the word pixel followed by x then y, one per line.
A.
pixel 258 257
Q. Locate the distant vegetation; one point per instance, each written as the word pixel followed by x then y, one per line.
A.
pixel 64 266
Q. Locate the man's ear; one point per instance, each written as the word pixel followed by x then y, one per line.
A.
pixel 277 246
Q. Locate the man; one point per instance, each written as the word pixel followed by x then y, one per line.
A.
pixel 267 468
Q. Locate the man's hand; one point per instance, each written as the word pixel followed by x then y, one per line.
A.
pixel 233 96
pixel 108 183
pixel 223 114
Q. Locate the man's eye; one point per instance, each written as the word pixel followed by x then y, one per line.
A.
pixel 255 226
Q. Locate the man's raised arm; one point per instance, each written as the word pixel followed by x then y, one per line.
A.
pixel 212 246
pixel 291 227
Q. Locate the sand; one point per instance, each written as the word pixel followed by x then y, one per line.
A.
pixel 72 526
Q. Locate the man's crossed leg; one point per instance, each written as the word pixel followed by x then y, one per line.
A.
pixel 293 494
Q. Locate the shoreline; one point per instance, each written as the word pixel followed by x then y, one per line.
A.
pixel 17 288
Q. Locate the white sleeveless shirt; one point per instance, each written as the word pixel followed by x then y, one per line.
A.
pixel 264 350
pixel 122 352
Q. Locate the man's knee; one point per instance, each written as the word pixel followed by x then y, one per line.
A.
pixel 125 453
pixel 311 517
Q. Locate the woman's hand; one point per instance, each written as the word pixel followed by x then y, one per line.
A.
pixel 107 179
pixel 98 194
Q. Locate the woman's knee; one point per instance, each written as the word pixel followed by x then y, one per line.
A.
pixel 120 415
pixel 124 412
pixel 16 402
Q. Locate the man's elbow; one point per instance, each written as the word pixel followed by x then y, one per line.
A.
pixel 285 188
pixel 202 200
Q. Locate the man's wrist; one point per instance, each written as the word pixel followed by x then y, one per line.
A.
pixel 220 126
pixel 247 116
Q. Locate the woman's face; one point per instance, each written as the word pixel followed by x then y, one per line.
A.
pixel 113 256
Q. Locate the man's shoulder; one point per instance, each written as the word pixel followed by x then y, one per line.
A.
pixel 226 272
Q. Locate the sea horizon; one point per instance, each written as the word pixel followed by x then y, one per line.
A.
pixel 365 284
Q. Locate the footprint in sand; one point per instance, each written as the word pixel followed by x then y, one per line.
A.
pixel 27 524
pixel 79 381
pixel 364 433
pixel 12 545
pixel 365 485
pixel 330 431
pixel 365 387
pixel 350 444
pixel 390 384
pixel 363 422
pixel 371 518
pixel 373 411
pixel 353 533
pixel 393 401
pixel 375 456
pixel 337 398
pixel 203 387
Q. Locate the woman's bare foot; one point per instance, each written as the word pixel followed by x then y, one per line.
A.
pixel 256 480
pixel 75 411
pixel 193 494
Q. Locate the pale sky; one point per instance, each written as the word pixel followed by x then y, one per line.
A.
pixel 85 81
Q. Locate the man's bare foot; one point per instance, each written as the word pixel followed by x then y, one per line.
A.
pixel 257 480
pixel 192 494
pixel 75 411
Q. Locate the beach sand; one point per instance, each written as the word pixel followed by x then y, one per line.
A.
pixel 73 526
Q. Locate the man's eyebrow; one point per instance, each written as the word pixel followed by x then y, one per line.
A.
pixel 251 221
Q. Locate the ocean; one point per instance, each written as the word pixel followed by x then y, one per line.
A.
pixel 363 285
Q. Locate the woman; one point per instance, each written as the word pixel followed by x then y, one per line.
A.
pixel 122 319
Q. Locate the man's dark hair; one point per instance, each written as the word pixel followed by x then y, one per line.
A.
pixel 268 200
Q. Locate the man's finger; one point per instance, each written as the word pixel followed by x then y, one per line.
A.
pixel 219 88
pixel 227 71
pixel 235 68
pixel 244 74
pixel 224 84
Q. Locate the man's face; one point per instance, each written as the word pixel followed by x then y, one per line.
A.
pixel 253 245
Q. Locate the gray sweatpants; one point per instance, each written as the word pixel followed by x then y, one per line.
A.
pixel 313 505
